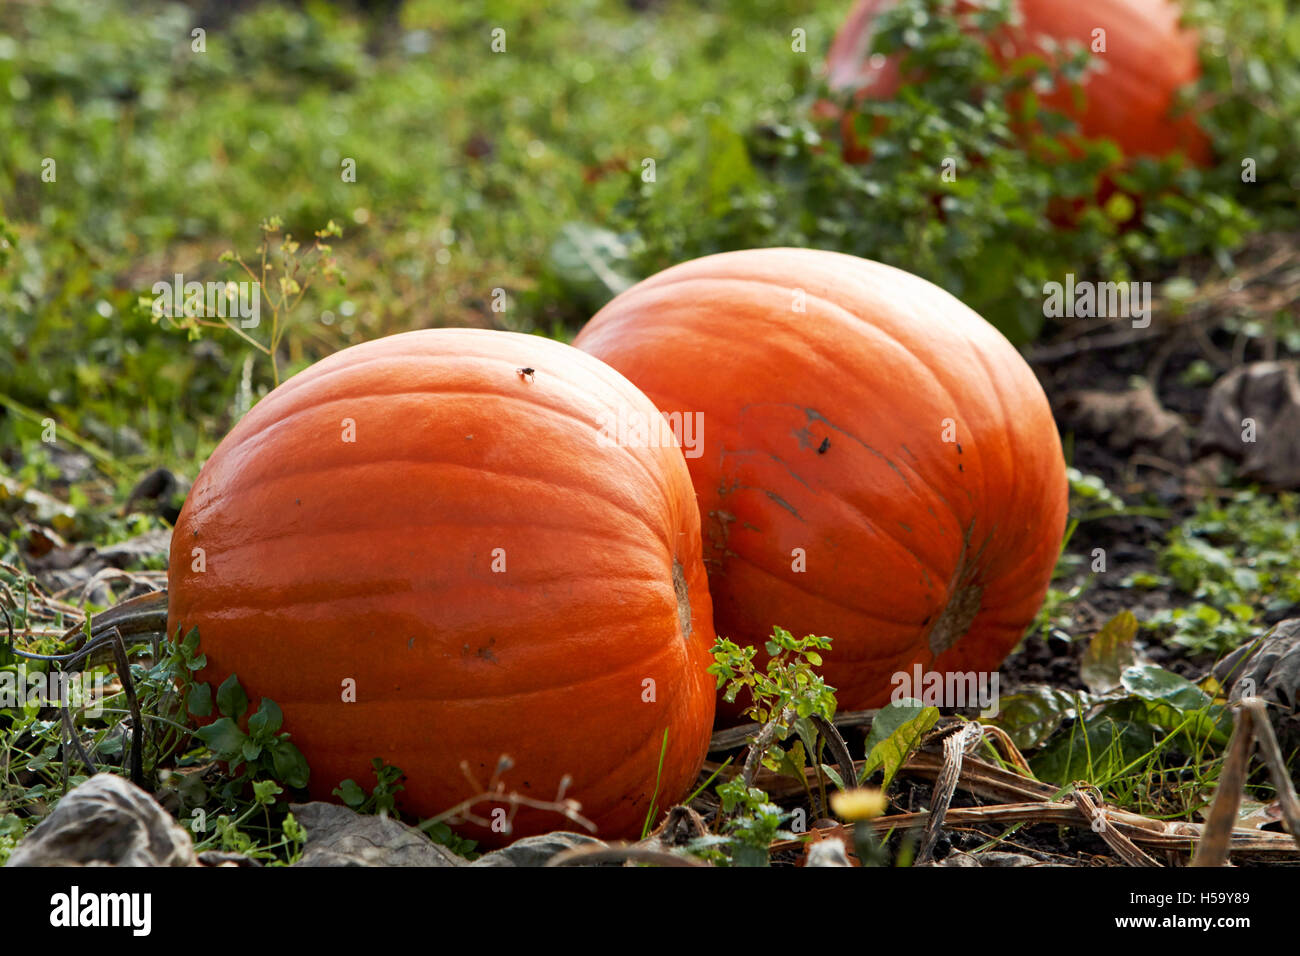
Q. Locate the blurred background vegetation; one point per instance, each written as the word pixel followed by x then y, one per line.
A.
pixel 520 171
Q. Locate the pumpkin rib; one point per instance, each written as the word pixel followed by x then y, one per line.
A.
pixel 1014 465
pixel 854 319
pixel 660 534
pixel 431 392
pixel 613 378
pixel 1001 427
pixel 385 351
pixel 518 692
pixel 670 401
pixel 864 519
pixel 803 589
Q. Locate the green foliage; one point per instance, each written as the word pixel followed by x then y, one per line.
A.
pixel 1251 97
pixel 787 681
pixel 787 692
pixel 992 235
pixel 784 696
pixel 754 823
pixel 382 799
pixel 281 296
pixel 1233 558
pixel 896 732
pixel 11 831
pixel 1090 498
pixel 468 167
pixel 262 751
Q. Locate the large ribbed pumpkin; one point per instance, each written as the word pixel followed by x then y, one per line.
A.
pixel 1128 98
pixel 446 518
pixel 879 465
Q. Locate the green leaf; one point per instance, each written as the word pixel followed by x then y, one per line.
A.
pixel 251 750
pixel 223 737
pixel 1152 682
pixel 1174 701
pixel 350 792
pixel 591 261
pixel 1095 752
pixel 727 167
pixel 1108 653
pixel 1032 716
pixel 896 731
pixel 290 765
pixel 267 720
pixel 199 700
pixel 191 642
pixel 231 699
pixel 265 791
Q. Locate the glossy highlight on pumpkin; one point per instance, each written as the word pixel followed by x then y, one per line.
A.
pixel 494 577
pixel 879 464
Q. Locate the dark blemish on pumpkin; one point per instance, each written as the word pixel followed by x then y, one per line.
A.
pixel 410 643
pixel 719 529
pixel 959 467
pixel 297 501
pixel 959 448
pixel 527 373
pixel 485 652
pixel 783 503
pixel 821 449
pixel 906 527
pixel 815 416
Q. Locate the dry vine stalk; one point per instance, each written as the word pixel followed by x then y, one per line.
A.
pixel 1089 801
pixel 625 853
pixel 1252 724
pixel 495 792
pixel 733 737
pixel 1026 800
pixel 1261 288
pixel 955 746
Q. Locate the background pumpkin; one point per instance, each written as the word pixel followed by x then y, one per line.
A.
pixel 824 430
pixel 1149 57
pixel 373 560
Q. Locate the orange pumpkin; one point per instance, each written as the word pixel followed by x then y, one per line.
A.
pixel 1129 97
pixel 878 464
pixel 442 521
